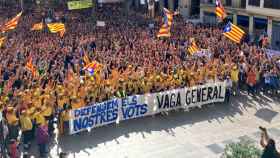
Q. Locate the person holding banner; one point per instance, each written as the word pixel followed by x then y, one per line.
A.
pixel 228 89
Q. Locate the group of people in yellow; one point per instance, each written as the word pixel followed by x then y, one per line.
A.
pixel 78 91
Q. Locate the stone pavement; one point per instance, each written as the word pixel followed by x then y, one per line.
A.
pixel 198 133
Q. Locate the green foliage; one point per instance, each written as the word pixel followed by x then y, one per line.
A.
pixel 242 149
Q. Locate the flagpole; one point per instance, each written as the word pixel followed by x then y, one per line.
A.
pixel 21 4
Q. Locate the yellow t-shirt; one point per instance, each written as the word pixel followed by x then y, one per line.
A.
pixel 12 119
pixel 25 123
pixel 65 116
pixel 39 118
pixel 48 111
pixel 234 75
pixel 78 103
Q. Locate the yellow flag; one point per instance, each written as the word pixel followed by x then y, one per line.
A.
pixel 37 27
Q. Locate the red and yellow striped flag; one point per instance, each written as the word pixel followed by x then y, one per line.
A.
pixel 29 66
pixel 12 24
pixel 193 48
pixel 164 31
pixel 233 32
pixel 220 10
pixel 2 39
pixel 57 28
pixel 37 26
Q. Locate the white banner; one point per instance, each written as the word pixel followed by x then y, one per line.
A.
pixel 100 23
pixel 119 109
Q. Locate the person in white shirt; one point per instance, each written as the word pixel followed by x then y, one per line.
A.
pixel 228 88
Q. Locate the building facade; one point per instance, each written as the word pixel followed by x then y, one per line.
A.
pixel 185 6
pixel 256 17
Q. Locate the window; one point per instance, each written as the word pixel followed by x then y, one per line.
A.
pixel 243 20
pixel 254 3
pixel 228 3
pixel 243 3
pixel 274 4
pixel 260 24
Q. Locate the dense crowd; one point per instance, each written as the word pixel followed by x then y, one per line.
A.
pixel 131 60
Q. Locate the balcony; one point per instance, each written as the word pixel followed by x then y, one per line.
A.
pixel 237 4
pixel 264 7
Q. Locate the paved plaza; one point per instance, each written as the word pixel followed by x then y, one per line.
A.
pixel 199 133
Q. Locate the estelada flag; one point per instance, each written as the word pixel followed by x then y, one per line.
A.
pixel 233 32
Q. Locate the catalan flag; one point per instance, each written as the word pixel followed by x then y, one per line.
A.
pixel 2 39
pixel 165 28
pixel 193 48
pixel 233 32
pixel 164 31
pixel 168 17
pixel 29 66
pixel 12 24
pixel 57 28
pixel 220 10
pixel 37 27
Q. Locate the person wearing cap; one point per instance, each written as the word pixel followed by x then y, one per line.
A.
pixel 26 128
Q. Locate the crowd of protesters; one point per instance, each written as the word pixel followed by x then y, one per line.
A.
pixel 132 60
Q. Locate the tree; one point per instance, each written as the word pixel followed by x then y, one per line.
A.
pixel 242 149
